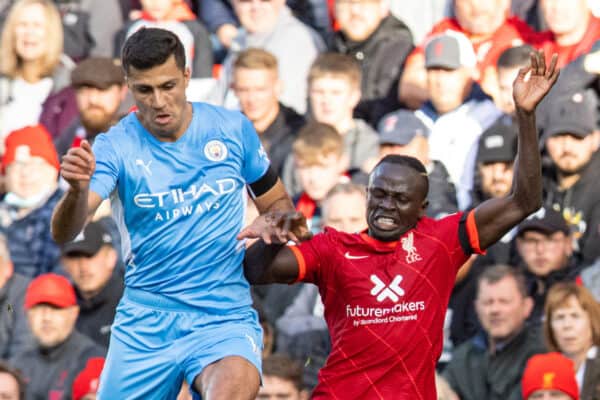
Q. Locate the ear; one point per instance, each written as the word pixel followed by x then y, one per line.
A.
pixel 595 140
pixel 423 209
pixel 355 95
pixel 278 86
pixel 527 307
pixel 187 74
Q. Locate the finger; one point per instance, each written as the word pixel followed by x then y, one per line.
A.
pixel 70 176
pixel 552 69
pixel 81 154
pixel 542 62
pixel 76 160
pixel 266 238
pixel 522 73
pixel 75 170
pixel 533 62
pixel 287 225
pixel 293 237
pixel 246 233
pixel 85 145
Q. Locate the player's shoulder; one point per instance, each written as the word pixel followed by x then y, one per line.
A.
pixel 431 225
pixel 218 116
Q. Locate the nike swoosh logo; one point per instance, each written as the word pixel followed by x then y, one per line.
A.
pixel 351 257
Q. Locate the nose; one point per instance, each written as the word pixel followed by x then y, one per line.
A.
pixel 158 100
pixel 498 170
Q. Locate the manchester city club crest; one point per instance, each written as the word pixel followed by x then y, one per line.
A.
pixel 215 150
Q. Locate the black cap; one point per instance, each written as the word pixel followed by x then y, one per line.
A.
pixel 89 241
pixel 98 72
pixel 400 127
pixel 498 143
pixel 573 114
pixel 545 220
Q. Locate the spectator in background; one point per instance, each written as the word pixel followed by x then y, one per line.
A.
pixel 270 25
pixel 402 132
pixel 549 376
pixel 282 379
pixel 257 86
pixel 91 262
pixel 319 163
pixel 545 246
pixel 32 65
pixel 572 28
pixel 344 208
pixel 458 111
pixel 571 140
pixel 61 352
pixel 12 384
pixel 334 91
pixel 489 366
pixel 100 89
pixel 89 26
pixel 30 165
pixel 510 61
pixel 380 43
pixel 490 30
pixel 15 335
pixel 85 384
pixel 193 35
pixel 572 327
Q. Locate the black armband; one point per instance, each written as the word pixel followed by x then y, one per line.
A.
pixel 263 184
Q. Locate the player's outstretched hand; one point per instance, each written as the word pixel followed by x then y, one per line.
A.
pixel 277 227
pixel 78 165
pixel 534 81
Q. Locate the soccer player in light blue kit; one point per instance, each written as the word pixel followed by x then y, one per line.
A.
pixel 176 174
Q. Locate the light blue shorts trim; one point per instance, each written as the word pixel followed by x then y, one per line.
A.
pixel 156 342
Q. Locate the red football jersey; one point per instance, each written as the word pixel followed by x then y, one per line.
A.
pixel 385 305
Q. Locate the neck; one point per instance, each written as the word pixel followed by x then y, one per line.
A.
pixel 30 71
pixel 573 37
pixel 345 125
pixel 567 181
pixel 263 123
pixel 578 359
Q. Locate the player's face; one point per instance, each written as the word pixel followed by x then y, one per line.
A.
pixel 51 325
pixel 159 94
pixel 501 308
pixel 543 253
pixel 571 153
pixel 274 388
pixel 496 178
pixel 91 274
pixel 572 329
pixel 396 199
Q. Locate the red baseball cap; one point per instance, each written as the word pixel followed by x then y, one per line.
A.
pixel 35 140
pixel 551 371
pixel 87 380
pixel 51 289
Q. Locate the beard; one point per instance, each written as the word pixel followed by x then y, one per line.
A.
pixel 96 120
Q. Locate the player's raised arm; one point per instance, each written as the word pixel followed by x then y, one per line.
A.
pixel 78 202
pixel 497 216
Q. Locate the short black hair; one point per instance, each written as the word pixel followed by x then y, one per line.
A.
pixel 16 374
pixel 151 47
pixel 407 161
pixel 515 57
pixel 496 273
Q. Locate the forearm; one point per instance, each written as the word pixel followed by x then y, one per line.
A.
pixel 70 215
pixel 258 262
pixel 527 180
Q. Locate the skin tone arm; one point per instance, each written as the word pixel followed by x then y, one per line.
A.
pixel 497 216
pixel 78 203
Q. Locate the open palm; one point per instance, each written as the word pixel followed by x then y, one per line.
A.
pixel 534 81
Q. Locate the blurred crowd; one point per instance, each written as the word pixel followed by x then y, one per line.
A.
pixel 331 86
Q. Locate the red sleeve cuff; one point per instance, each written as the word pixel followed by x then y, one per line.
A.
pixel 301 263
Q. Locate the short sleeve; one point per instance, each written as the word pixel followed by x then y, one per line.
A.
pixel 105 177
pixel 312 257
pixel 256 162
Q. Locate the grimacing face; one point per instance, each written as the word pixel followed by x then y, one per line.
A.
pixel 501 308
pixel 159 94
pixel 51 325
pixel 396 199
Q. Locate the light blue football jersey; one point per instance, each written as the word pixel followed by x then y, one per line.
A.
pixel 180 205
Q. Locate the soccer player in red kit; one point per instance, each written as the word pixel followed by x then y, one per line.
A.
pixel 386 290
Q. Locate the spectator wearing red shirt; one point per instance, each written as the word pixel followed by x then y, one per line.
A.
pixel 573 29
pixel 490 29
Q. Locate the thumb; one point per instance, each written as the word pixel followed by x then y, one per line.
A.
pixel 86 146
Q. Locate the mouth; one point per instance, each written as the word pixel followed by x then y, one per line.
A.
pixel 162 119
pixel 385 223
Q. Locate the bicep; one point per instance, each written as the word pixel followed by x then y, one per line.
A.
pixel 285 267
